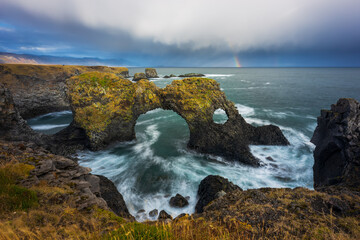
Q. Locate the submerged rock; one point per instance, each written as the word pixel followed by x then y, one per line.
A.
pixel 178 201
pixel 213 187
pixel 151 73
pixel 337 140
pixel 139 76
pixel 169 76
pixel 164 215
pixel 192 75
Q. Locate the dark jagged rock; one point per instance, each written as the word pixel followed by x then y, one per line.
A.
pixel 337 140
pixel 113 198
pixel 164 215
pixel 153 213
pixel 40 89
pixel 139 76
pixel 178 201
pixel 12 126
pixel 169 76
pixel 151 73
pixel 192 75
pixel 211 188
pixel 107 108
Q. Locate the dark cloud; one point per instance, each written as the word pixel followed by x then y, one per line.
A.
pixel 187 33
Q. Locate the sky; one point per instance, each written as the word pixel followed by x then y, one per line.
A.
pixel 186 33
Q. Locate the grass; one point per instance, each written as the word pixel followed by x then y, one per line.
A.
pixel 12 196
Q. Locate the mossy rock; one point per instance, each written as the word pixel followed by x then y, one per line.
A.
pixel 107 107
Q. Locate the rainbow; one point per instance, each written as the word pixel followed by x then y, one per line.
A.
pixel 237 62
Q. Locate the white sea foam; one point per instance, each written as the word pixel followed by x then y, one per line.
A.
pixel 245 111
pixel 48 126
pixel 219 75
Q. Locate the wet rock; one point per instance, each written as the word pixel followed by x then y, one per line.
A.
pixel 164 215
pixel 151 73
pixel 209 189
pixel 166 76
pixel 141 211
pixel 178 201
pixel 337 140
pixel 270 159
pixel 113 198
pixel 153 213
pixel 172 75
pixel 139 76
pixel 192 75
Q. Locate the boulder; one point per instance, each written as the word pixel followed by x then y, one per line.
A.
pixel 139 76
pixel 172 75
pixel 164 215
pixel 337 140
pixel 178 201
pixel 211 188
pixel 113 198
pixel 153 213
pixel 192 75
pixel 151 73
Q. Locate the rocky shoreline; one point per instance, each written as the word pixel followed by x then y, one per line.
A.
pixel 332 208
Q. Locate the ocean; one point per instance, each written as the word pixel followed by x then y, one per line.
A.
pixel 157 165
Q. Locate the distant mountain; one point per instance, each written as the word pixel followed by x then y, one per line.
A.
pixel 45 59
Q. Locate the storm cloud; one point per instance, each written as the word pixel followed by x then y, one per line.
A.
pixel 189 29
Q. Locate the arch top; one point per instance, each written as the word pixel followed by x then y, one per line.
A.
pixel 107 106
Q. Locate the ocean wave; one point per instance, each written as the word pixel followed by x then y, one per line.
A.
pixel 219 75
pixel 245 111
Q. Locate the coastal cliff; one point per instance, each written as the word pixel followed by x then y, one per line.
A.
pixel 40 89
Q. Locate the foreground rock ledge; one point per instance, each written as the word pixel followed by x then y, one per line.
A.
pixel 106 107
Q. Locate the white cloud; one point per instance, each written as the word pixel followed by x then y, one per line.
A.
pixel 229 24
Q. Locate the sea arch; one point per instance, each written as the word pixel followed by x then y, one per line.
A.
pixel 107 106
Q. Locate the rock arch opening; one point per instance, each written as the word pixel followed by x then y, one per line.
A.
pixel 51 123
pixel 161 133
pixel 220 116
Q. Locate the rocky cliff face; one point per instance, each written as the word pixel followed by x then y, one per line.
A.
pixel 107 107
pixel 337 140
pixel 12 125
pixel 40 89
pixel 83 189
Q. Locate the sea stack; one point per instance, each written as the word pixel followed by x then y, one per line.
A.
pixel 151 73
pixel 337 140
